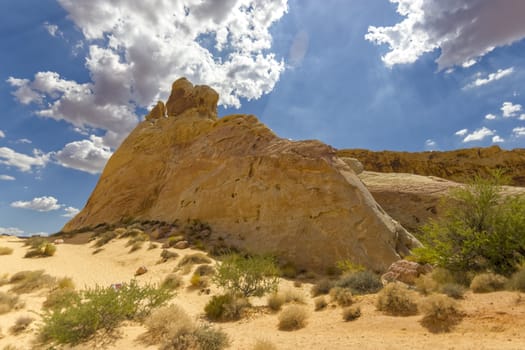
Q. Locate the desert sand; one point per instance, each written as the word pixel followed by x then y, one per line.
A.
pixel 492 321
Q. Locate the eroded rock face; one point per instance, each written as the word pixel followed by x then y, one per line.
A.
pixel 257 191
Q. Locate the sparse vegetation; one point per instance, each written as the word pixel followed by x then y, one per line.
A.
pixel 293 317
pixel 275 301
pixel 262 344
pixel 6 251
pixel 45 249
pixel 8 302
pixel 61 298
pixel 167 255
pixel 453 290
pixel 248 276
pixel 517 280
pixel 488 282
pixel 351 313
pixel 136 246
pixel 21 324
pixel 225 307
pixel 320 303
pixel 342 296
pixel 348 266
pixel 100 308
pixel 172 281
pixel 322 287
pixel 361 282
pixel 397 300
pixel 29 281
pixel 194 259
pixel 105 238
pixel 440 313
pixel 198 281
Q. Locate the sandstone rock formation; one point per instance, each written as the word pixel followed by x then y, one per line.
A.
pixel 405 271
pixel 458 165
pixel 258 192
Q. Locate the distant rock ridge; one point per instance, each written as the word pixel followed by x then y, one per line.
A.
pixel 458 165
pixel 258 192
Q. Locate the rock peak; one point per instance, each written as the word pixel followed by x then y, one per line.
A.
pixel 201 99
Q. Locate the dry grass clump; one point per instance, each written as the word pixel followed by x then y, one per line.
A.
pixel 320 303
pixel 293 296
pixel 361 282
pixel 199 282
pixel 453 290
pixel 397 300
pixel 440 313
pixel 172 281
pixel 6 251
pixel 29 281
pixel 205 270
pixel 4 279
pixel 166 255
pixel 194 259
pixel 293 317
pixel 63 296
pixel 351 313
pixel 8 302
pixel 263 344
pixel 105 238
pixel 487 282
pixel 517 280
pixel 425 284
pixel 342 296
pixel 21 324
pixel 275 301
pixel 136 246
pixel 225 307
pixel 45 249
pixel 322 287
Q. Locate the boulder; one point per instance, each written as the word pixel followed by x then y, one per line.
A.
pixel 405 271
pixel 253 190
pixel 181 245
pixel 141 270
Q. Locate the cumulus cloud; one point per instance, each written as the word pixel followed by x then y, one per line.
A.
pixel 21 161
pixel 510 110
pixel 463 30
pixel 2 135
pixel 490 116
pixel 501 73
pixel 137 49
pixel 70 212
pixel 497 139
pixel 86 155
pixel 52 29
pixel 7 178
pixel 461 132
pixel 42 204
pixel 478 135
pixel 12 231
pixel 518 131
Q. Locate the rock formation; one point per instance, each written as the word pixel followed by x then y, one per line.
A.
pixel 458 165
pixel 258 192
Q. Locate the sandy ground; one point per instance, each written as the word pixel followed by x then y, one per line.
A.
pixel 493 321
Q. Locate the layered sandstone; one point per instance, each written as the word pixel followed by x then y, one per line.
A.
pixel 257 191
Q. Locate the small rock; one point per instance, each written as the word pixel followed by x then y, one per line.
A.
pixel 141 270
pixel 58 241
pixel 405 271
pixel 181 245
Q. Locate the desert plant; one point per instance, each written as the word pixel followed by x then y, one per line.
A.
pixel 288 270
pixel 517 280
pixel 29 281
pixel 136 246
pixel 105 238
pixel 249 276
pixel 205 270
pixel 167 255
pixel 210 338
pixel 152 246
pixel 61 298
pixel 480 230
pixel 100 308
pixel 275 301
pixel 8 302
pixel 198 281
pixel 440 313
pixel 138 239
pixel 351 313
pixel 320 303
pixel 361 282
pixel 348 266
pixel 426 285
pixel 194 259
pixel 342 296
pixel 453 290
pixel 43 250
pixel 21 324
pixel 35 241
pixel 397 300
pixel 6 251
pixel 167 322
pixel 225 307
pixel 263 344
pixel 293 317
pixel 488 282
pixel 322 287
pixel 172 281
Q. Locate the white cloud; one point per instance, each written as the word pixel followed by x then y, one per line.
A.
pixel 42 204
pixel 463 30
pixel 13 231
pixel 52 29
pixel 461 132
pixel 430 144
pixel 2 135
pixel 490 116
pixel 7 178
pixel 478 135
pixel 497 139
pixel 70 212
pixel 519 131
pixel 136 50
pixel 22 161
pixel 26 141
pixel 522 117
pixel 86 155
pixel 501 73
pixel 510 110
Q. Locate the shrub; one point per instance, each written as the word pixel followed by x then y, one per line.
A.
pixel 105 238
pixel 348 266
pixel 517 280
pixel 210 338
pixel 172 281
pixel 293 296
pixel 453 290
pixel 342 296
pixel 205 270
pixel 21 324
pixel 292 317
pixel 275 301
pixel 264 345
pixel 199 281
pixel 193 259
pixel 426 285
pixel 152 246
pixel 488 282
pixel 440 313
pixel 167 255
pixel 362 282
pixel 43 250
pixel 322 287
pixel 35 241
pixel 136 246
pixel 320 303
pixel 251 276
pixel 174 240
pixel 351 313
pixel 288 270
pixel 100 308
pixel 225 307
pixel 29 281
pixel 61 298
pixel 395 299
pixel 6 251
pixel 167 322
pixel 8 302
pixel 480 230
pixel 137 239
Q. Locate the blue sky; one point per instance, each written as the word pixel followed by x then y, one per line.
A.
pixel 411 75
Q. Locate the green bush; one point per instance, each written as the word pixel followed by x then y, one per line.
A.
pixel 488 282
pixel 61 298
pixel 397 300
pixel 351 313
pixel 292 317
pixel 248 276
pixel 440 313
pixel 361 282
pixel 100 308
pixel 480 230
pixel 43 250
pixel 225 307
